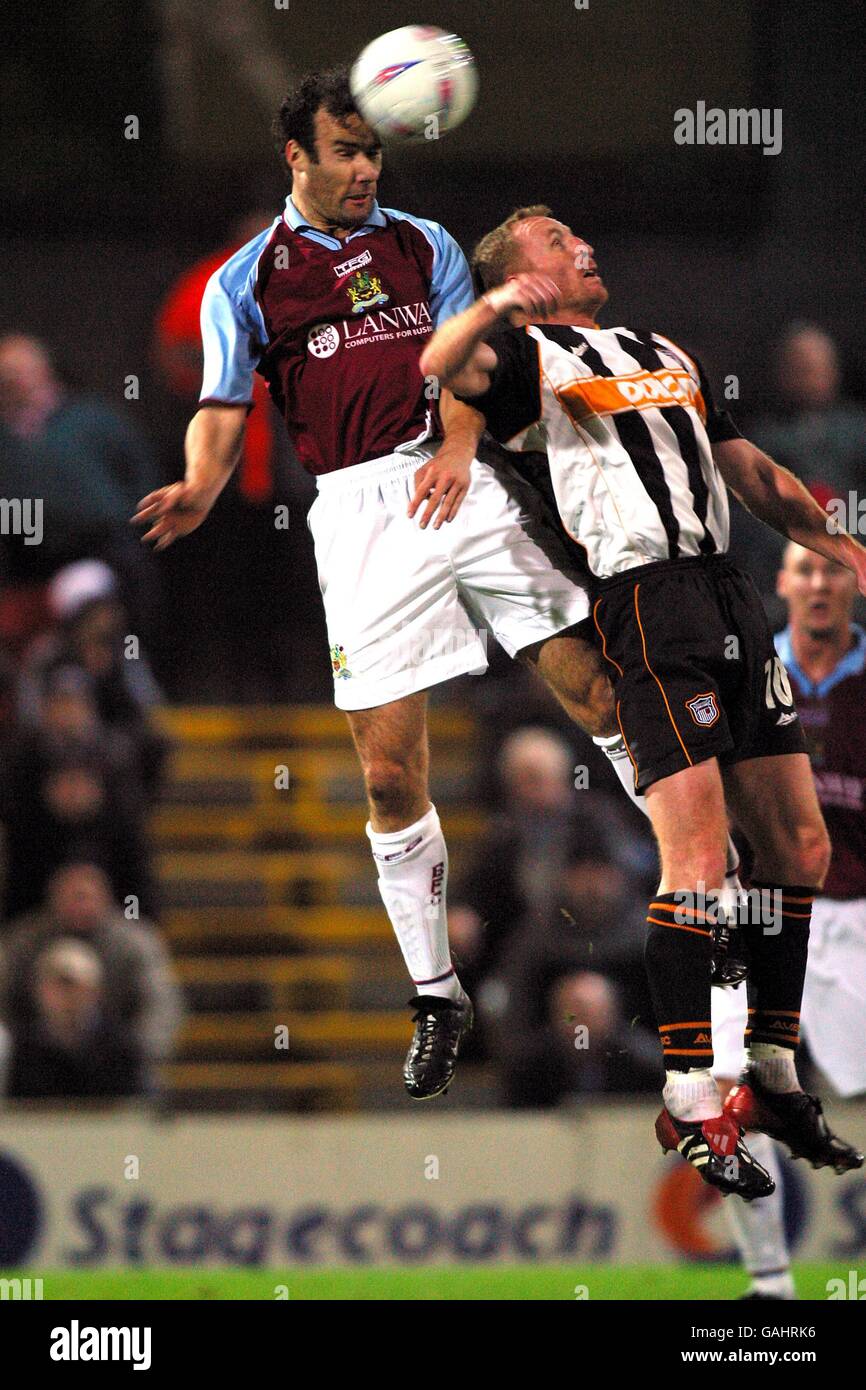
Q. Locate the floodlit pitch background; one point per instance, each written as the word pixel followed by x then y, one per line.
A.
pixel 718 246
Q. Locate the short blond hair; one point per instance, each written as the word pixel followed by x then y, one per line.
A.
pixel 496 254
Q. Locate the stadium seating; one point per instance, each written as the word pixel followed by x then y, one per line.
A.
pixel 270 906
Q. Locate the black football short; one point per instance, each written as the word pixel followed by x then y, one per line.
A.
pixel 694 668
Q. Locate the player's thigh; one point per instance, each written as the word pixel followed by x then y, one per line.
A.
pixel 688 816
pixel 775 803
pixel 571 665
pixel 391 739
pixel 662 636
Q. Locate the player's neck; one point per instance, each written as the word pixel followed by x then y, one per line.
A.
pixel 314 218
pixel 566 318
pixel 817 657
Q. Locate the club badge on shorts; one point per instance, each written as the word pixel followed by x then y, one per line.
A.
pixel 339 664
pixel 703 709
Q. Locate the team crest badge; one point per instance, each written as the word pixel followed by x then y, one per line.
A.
pixel 703 709
pixel 339 664
pixel 365 291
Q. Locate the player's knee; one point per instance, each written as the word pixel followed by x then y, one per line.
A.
pixel 600 708
pixel 698 867
pixel 391 785
pixel 589 699
pixel 811 849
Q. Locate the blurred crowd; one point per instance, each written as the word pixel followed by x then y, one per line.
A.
pixel 87 1000
pixel 547 923
pixel 547 930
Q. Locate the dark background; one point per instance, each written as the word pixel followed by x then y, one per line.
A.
pixel 720 247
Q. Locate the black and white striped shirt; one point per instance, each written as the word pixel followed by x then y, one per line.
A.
pixel 627 420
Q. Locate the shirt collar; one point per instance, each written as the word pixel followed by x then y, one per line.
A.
pixel 297 223
pixel 851 664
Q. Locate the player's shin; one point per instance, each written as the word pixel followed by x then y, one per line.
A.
pixel 677 957
pixel 413 879
pixel 776 927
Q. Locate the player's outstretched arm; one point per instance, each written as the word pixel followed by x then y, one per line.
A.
pixel 777 497
pixel 458 357
pixel 443 481
pixel 213 445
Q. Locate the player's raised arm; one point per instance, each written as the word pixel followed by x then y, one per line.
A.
pixel 457 355
pixel 213 445
pixel 778 498
pixel 214 437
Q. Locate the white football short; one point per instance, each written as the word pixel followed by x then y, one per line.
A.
pixel 407 608
pixel 833 1017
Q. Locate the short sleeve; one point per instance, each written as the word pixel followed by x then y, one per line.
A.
pixel 232 329
pixel 451 289
pixel 512 402
pixel 719 423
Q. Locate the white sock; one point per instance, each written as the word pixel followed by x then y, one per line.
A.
pixel 413 880
pixel 692 1095
pixel 615 751
pixel 775 1067
pixel 759 1229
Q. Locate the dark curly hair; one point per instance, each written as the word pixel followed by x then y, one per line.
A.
pixel 295 119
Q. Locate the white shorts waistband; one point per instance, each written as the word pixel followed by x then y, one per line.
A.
pixel 359 475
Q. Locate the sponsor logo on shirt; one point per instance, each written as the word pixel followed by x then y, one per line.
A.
pixel 346 267
pixel 589 396
pixel 400 321
pixel 322 340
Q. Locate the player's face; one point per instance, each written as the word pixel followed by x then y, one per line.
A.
pixel 552 249
pixel 819 593
pixel 339 190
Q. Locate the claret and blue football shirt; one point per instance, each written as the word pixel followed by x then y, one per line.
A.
pixel 336 328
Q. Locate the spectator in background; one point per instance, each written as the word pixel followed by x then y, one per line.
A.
pixel 87 463
pixel 71 1049
pixel 72 790
pixel 90 632
pixel 582 967
pixel 815 432
pixel 87 997
pixel 515 876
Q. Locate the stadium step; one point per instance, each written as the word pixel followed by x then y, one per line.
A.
pixel 248 825
pixel 312 725
pixel 232 982
pixel 298 1086
pixel 307 1037
pixel 270 905
pixel 289 929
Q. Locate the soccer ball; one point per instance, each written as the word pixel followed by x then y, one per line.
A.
pixel 415 83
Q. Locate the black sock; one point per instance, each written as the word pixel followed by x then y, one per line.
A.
pixel 678 951
pixel 776 930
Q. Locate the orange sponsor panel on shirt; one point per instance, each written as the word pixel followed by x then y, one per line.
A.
pixel 606 395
